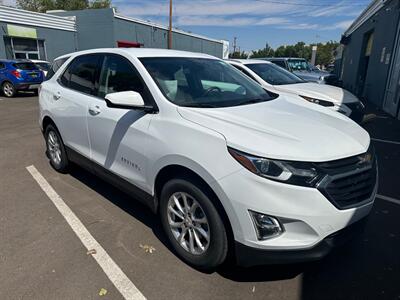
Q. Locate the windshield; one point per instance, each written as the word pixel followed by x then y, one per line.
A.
pixel 201 82
pixel 273 74
pixel 25 66
pixel 298 65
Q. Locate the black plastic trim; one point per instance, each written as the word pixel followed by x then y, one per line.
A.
pixel 248 256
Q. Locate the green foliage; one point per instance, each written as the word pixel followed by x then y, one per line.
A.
pixel 261 53
pixel 325 52
pixel 44 5
pixel 238 55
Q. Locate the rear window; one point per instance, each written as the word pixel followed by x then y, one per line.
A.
pixel 25 66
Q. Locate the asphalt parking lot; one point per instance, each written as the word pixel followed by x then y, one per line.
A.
pixel 42 258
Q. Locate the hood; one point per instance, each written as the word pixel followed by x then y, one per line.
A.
pixel 319 91
pixel 286 128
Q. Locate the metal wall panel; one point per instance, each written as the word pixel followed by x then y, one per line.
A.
pixel 94 26
pixel 18 16
pixel 383 24
pixel 57 42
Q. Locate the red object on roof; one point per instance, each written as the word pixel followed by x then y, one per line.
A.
pixel 127 44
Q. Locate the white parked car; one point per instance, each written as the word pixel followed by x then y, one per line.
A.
pixel 278 79
pixel 226 165
pixel 42 65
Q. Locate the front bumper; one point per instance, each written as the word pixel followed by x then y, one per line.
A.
pixel 307 216
pixel 247 256
pixel 354 110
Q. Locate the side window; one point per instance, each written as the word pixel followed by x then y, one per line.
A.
pixel 83 73
pixel 80 75
pixel 119 75
pixel 244 72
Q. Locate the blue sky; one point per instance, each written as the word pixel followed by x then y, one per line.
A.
pixel 253 22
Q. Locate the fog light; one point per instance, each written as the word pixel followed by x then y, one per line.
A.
pixel 266 226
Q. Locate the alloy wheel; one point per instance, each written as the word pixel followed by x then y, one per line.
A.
pixel 54 148
pixel 188 223
pixel 8 89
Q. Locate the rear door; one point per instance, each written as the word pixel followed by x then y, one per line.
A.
pixel 71 97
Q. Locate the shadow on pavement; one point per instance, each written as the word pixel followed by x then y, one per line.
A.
pixel 366 268
pixel 124 201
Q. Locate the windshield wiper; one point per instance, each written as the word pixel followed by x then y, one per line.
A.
pixel 251 101
pixel 203 105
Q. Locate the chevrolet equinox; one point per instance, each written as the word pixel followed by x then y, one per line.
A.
pixel 229 167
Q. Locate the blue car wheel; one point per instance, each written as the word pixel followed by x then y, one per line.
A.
pixel 8 89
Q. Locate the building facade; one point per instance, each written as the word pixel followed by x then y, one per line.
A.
pixel 32 35
pixel 368 61
pixel 42 36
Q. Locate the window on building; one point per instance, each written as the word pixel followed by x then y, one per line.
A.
pixel 118 75
pixel 24 48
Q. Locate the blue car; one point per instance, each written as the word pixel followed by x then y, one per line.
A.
pixel 19 75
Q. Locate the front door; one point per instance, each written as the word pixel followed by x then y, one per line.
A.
pixel 118 137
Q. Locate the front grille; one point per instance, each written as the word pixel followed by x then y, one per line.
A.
pixel 349 182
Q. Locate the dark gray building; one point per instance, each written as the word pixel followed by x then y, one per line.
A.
pixel 33 35
pixel 107 28
pixel 368 61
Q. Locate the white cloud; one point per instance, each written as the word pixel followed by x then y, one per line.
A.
pixel 208 8
pixel 228 21
pixel 273 21
pixel 213 21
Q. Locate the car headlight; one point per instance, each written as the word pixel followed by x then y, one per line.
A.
pixel 292 172
pixel 318 101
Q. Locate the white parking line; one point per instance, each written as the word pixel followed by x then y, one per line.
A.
pixel 385 141
pixel 110 268
pixel 390 199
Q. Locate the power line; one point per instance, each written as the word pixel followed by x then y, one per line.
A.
pixel 312 4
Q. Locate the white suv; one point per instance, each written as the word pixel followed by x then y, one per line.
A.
pixel 228 166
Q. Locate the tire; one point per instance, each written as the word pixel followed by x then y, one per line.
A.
pixel 215 249
pixel 55 150
pixel 8 89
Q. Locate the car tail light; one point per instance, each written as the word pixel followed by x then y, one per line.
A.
pixel 16 73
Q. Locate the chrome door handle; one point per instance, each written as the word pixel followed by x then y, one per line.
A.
pixel 57 96
pixel 94 110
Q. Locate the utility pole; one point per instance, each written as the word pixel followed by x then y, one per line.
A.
pixel 170 26
pixel 234 44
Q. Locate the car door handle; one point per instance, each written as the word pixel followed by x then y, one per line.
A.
pixel 57 96
pixel 94 110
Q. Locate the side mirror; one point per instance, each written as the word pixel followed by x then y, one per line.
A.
pixel 127 100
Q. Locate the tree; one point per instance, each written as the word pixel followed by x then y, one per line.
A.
pixel 44 5
pixel 238 55
pixel 266 52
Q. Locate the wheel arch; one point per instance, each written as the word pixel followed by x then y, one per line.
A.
pixel 46 121
pixel 172 171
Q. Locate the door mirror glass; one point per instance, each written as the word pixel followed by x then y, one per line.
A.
pixel 127 99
